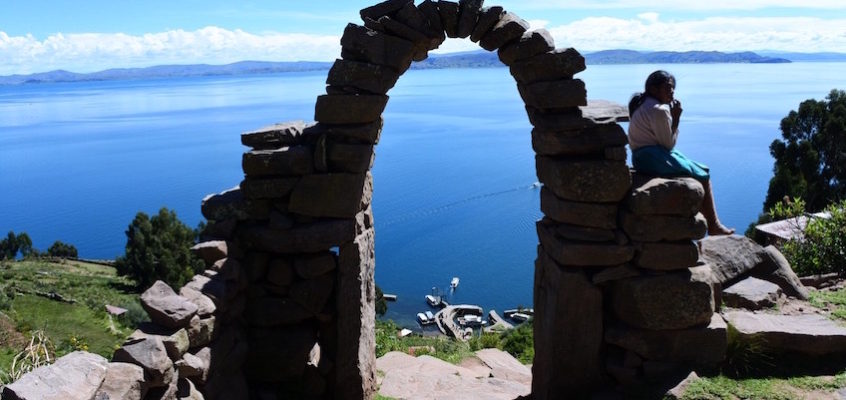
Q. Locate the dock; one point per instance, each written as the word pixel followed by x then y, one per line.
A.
pixel 445 319
pixel 497 323
pixel 389 297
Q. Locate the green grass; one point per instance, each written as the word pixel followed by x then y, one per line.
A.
pixel 796 388
pixel 835 301
pixel 83 325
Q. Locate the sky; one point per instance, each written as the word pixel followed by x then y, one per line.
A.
pixel 92 35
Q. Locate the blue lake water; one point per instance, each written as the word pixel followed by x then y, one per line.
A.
pixel 453 172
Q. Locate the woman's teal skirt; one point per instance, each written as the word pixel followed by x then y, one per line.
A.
pixel 658 161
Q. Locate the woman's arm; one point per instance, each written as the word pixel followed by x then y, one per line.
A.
pixel 675 111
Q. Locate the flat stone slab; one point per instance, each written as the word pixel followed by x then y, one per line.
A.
pixel 505 366
pixel 425 377
pixel 76 376
pixel 605 110
pixel 810 334
pixel 752 294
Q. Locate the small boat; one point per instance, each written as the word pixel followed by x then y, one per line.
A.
pixel 454 283
pixel 430 316
pixel 422 318
pixel 520 317
pixel 433 301
pixel 389 297
pixel 470 320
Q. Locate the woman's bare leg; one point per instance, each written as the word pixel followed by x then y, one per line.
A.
pixel 709 210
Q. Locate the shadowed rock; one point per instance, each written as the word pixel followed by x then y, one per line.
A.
pixel 167 308
pixel 76 376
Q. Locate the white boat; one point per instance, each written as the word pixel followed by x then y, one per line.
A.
pixel 454 283
pixel 470 320
pixel 520 317
pixel 422 318
pixel 433 301
pixel 430 316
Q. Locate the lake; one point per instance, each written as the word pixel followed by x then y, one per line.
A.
pixel 454 170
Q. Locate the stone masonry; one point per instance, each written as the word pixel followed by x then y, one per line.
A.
pixel 285 308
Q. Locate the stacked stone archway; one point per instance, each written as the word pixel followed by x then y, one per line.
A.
pixel 286 306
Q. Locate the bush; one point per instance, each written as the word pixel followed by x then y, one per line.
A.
pixel 823 247
pixel 520 343
pixel 381 303
pixel 14 244
pixel 62 250
pixel 159 248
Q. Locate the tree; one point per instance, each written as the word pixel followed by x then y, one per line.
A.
pixel 62 250
pixel 159 248
pixel 810 160
pixel 381 303
pixel 14 244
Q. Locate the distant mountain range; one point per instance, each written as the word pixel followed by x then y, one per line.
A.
pixel 472 59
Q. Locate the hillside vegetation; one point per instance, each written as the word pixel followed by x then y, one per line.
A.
pixel 66 301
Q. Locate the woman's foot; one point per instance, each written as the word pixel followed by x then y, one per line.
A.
pixel 719 229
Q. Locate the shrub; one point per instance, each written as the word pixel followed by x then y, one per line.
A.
pixel 823 247
pixel 62 250
pixel 520 343
pixel 159 248
pixel 14 244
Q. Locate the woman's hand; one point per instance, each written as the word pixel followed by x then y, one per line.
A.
pixel 675 109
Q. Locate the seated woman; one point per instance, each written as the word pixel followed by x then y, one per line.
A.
pixel 653 130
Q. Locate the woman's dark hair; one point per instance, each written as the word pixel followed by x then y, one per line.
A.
pixel 654 80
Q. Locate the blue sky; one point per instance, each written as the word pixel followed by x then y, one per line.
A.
pixel 91 35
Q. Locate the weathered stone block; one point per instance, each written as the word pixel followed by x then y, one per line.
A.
pixel 434 27
pixel 488 18
pixel 268 188
pixel 676 300
pixel 307 238
pixel 448 10
pixel 359 133
pixel 75 376
pixel 584 180
pixel 593 140
pixel 616 153
pixel 806 334
pixel 384 8
pixel 420 41
pixel 730 256
pixel 614 273
pixel 176 342
pixel 211 250
pixel 349 108
pixel 167 308
pixel 286 161
pixel 530 44
pixel 667 256
pixel 275 311
pixel 752 294
pixel 231 205
pixel 559 64
pixel 567 306
pixel 560 119
pixel 581 233
pixel 776 269
pixel 355 158
pixel 656 228
pixel 313 294
pixel 355 370
pixel 123 381
pixel 328 195
pixel 509 28
pixel 148 353
pixel 311 266
pixel 205 305
pixel 202 331
pixel 554 94
pixel 360 43
pixel 582 254
pixel 468 15
pixel 701 346
pixel 276 355
pixel 372 78
pixel 602 216
pixel 274 136
pixel 665 196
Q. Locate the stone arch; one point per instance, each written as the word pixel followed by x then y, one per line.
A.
pixel 286 307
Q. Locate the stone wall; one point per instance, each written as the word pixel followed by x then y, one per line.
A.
pixel 286 306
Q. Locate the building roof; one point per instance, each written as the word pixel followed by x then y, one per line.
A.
pixel 791 228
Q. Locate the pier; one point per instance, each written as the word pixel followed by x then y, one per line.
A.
pixel 445 319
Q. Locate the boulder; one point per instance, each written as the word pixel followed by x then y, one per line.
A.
pixel 274 136
pixel 677 392
pixel 362 44
pixel 186 390
pixel 123 382
pixel 230 205
pixel 562 93
pixel 190 366
pixel 167 308
pixel 509 28
pixel 448 11
pixel 211 251
pixel 468 15
pixel 488 18
pixel 550 66
pixel 597 181
pixel 567 305
pixel 76 376
pixel 699 346
pixel 284 161
pixel 593 215
pixel 176 342
pixel 806 334
pixel 148 353
pixel 205 305
pixel 530 44
pixel 776 269
pixel 667 256
pixel 201 331
pixel 657 228
pixel 730 256
pixel 752 294
pixel 665 196
pixel 505 366
pixel 676 300
pixel 580 253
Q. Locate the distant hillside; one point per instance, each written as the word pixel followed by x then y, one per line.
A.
pixel 471 59
pixel 673 57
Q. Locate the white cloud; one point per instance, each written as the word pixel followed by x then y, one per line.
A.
pixel 86 52
pixel 801 34
pixel 649 16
